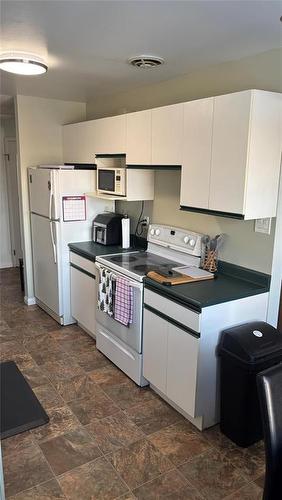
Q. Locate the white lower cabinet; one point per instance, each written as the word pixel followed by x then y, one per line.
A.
pixel 180 350
pixel 83 297
pixel 182 361
pixel 155 350
pixel 170 359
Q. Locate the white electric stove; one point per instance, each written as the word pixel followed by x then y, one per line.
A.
pixel 168 247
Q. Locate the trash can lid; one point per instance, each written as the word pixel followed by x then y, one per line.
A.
pixel 251 342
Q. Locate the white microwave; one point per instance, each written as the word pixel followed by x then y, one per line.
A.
pixel 111 180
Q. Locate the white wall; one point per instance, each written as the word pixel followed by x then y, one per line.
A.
pixel 39 135
pixel 5 238
pixel 261 71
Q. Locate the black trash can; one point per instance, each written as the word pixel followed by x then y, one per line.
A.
pixel 244 351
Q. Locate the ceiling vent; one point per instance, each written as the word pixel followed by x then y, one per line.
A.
pixel 146 61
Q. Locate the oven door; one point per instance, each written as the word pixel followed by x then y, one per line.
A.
pixel 130 335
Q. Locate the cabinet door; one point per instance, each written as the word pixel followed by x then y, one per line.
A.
pixel 83 298
pixel 229 152
pixel 196 164
pixel 139 138
pixel 78 142
pixel 110 135
pixel 167 132
pixel 182 360
pixel 155 331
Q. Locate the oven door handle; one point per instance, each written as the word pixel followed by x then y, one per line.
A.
pixel 131 283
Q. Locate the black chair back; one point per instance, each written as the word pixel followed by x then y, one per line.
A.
pixel 270 395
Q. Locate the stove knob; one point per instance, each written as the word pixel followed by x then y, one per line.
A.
pixel 192 243
pixel 152 232
pixel 158 232
pixel 186 239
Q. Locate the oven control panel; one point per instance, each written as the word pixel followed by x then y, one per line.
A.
pixel 175 238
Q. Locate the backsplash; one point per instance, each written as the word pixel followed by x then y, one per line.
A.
pixel 242 246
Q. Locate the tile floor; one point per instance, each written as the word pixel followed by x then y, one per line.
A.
pixel 107 439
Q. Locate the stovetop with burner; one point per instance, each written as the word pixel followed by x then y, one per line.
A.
pixel 139 263
pixel 168 247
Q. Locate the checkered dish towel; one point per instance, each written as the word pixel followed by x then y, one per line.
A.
pixel 123 309
pixel 106 291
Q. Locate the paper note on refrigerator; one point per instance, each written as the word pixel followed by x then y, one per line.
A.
pixel 74 208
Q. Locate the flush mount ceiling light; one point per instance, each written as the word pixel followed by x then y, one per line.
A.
pixel 145 61
pixel 22 64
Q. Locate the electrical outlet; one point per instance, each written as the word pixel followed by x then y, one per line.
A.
pixel 147 220
pixel 263 226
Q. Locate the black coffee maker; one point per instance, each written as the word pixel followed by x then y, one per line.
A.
pixel 106 229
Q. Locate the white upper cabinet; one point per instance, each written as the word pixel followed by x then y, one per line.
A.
pixel 110 135
pixel 197 143
pixel 82 141
pixel 229 152
pixel 167 132
pixel 78 142
pixel 246 150
pixel 139 138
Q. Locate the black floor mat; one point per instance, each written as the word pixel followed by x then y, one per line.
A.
pixel 20 408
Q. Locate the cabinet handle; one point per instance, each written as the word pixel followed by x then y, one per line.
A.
pixel 83 271
pixel 173 321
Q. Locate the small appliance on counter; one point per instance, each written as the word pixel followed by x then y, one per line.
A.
pixel 106 229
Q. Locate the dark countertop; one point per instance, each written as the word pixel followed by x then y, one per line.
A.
pixel 231 283
pixel 91 250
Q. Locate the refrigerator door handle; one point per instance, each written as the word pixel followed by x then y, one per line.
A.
pixel 53 242
pixel 50 204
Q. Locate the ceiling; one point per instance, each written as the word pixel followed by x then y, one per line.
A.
pixel 87 43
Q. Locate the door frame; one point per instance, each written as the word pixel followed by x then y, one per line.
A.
pixel 13 213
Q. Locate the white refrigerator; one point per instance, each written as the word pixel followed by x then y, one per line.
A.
pixel 60 214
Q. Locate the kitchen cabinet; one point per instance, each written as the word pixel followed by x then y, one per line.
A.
pixel 83 279
pixel 246 153
pixel 78 142
pixel 180 349
pixel 170 359
pixel 155 350
pixel 167 133
pixel 182 376
pixel 139 138
pixel 232 153
pixel 196 161
pixel 110 135
pixel 82 141
pixel 164 343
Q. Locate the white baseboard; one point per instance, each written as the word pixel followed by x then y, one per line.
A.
pixel 6 265
pixel 30 301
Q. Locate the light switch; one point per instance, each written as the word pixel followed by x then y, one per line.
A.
pixel 263 226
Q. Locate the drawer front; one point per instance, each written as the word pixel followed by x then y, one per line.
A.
pixel 175 311
pixel 85 264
